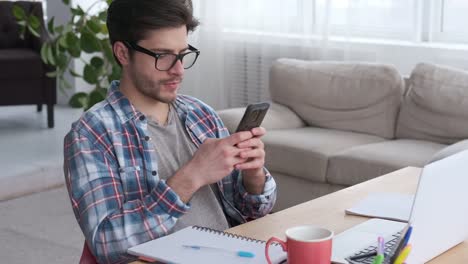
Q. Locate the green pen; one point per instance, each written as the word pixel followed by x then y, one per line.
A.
pixel 378 259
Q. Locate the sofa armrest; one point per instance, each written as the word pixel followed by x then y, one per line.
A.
pixel 450 150
pixel 277 117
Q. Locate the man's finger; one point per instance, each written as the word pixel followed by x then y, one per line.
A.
pixel 258 131
pixel 238 137
pixel 251 143
pixel 254 153
pixel 254 164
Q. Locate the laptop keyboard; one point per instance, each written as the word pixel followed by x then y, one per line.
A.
pixel 389 247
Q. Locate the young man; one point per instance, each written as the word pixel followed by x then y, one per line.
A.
pixel 146 161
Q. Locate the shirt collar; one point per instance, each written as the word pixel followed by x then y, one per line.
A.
pixel 121 105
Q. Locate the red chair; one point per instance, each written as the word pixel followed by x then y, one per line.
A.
pixel 87 257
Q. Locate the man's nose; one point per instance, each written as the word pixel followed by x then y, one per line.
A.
pixel 178 68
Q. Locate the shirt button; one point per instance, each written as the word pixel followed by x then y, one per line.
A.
pixel 154 173
pixel 142 118
pixel 147 138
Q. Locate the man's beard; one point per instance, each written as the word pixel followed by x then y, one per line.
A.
pixel 152 89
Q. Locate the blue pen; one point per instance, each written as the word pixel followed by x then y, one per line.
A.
pixel 407 236
pixel 240 253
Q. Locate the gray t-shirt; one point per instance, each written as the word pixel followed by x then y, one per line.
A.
pixel 174 148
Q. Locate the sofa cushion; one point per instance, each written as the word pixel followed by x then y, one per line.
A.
pixel 20 64
pixel 277 117
pixel 362 163
pixel 360 97
pixel 436 105
pixel 304 152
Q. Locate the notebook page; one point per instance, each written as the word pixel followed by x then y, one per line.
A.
pixel 170 249
pixel 391 206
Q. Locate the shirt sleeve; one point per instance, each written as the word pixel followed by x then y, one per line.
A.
pixel 250 205
pixel 109 222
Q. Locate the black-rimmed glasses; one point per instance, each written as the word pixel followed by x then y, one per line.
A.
pixel 165 61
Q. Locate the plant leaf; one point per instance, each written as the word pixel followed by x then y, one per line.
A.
pixel 90 74
pixel 78 11
pixel 34 22
pixel 103 15
pixel 44 53
pixel 62 41
pixel 74 74
pixel 94 25
pixel 50 26
pixel 33 31
pixel 95 97
pixel 71 39
pixel 104 29
pixel 78 100
pixel 18 12
pixel 97 62
pixel 67 2
pixel 107 50
pixel 89 42
pixel 50 55
pixel 103 92
pixel 51 74
pixel 73 43
pixel 61 60
pixel 59 29
pixel 74 51
pixel 115 75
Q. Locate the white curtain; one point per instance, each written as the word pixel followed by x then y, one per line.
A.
pixel 240 39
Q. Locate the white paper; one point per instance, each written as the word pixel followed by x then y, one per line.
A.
pixel 392 206
pixel 170 249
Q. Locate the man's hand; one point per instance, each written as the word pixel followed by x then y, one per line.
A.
pixel 215 159
pixel 252 170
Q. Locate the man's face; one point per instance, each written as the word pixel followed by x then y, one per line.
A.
pixel 159 85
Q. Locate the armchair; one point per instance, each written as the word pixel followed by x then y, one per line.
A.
pixel 23 77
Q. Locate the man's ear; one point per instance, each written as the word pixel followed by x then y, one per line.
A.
pixel 121 52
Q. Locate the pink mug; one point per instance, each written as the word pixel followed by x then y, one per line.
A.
pixel 305 244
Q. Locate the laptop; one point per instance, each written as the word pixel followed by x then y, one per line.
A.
pixel 439 215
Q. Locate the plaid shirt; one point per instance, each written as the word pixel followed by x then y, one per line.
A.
pixel 111 173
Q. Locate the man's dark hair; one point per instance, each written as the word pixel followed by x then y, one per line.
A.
pixel 130 20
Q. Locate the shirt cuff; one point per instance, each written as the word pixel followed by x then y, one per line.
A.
pixel 262 198
pixel 167 200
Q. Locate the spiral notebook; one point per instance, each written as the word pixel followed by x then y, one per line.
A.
pixel 221 248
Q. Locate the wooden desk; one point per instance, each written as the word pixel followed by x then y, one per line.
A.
pixel 328 211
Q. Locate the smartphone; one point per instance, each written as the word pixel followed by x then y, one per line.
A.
pixel 253 116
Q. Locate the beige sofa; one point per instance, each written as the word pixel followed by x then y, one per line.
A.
pixel 334 124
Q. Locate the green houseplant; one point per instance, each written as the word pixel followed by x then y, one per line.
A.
pixel 83 34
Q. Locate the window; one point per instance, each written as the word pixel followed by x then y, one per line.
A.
pixel 408 20
pixel 271 16
pixel 362 18
pixel 392 19
pixel 450 21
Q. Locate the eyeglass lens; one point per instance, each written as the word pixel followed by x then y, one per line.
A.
pixel 166 61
